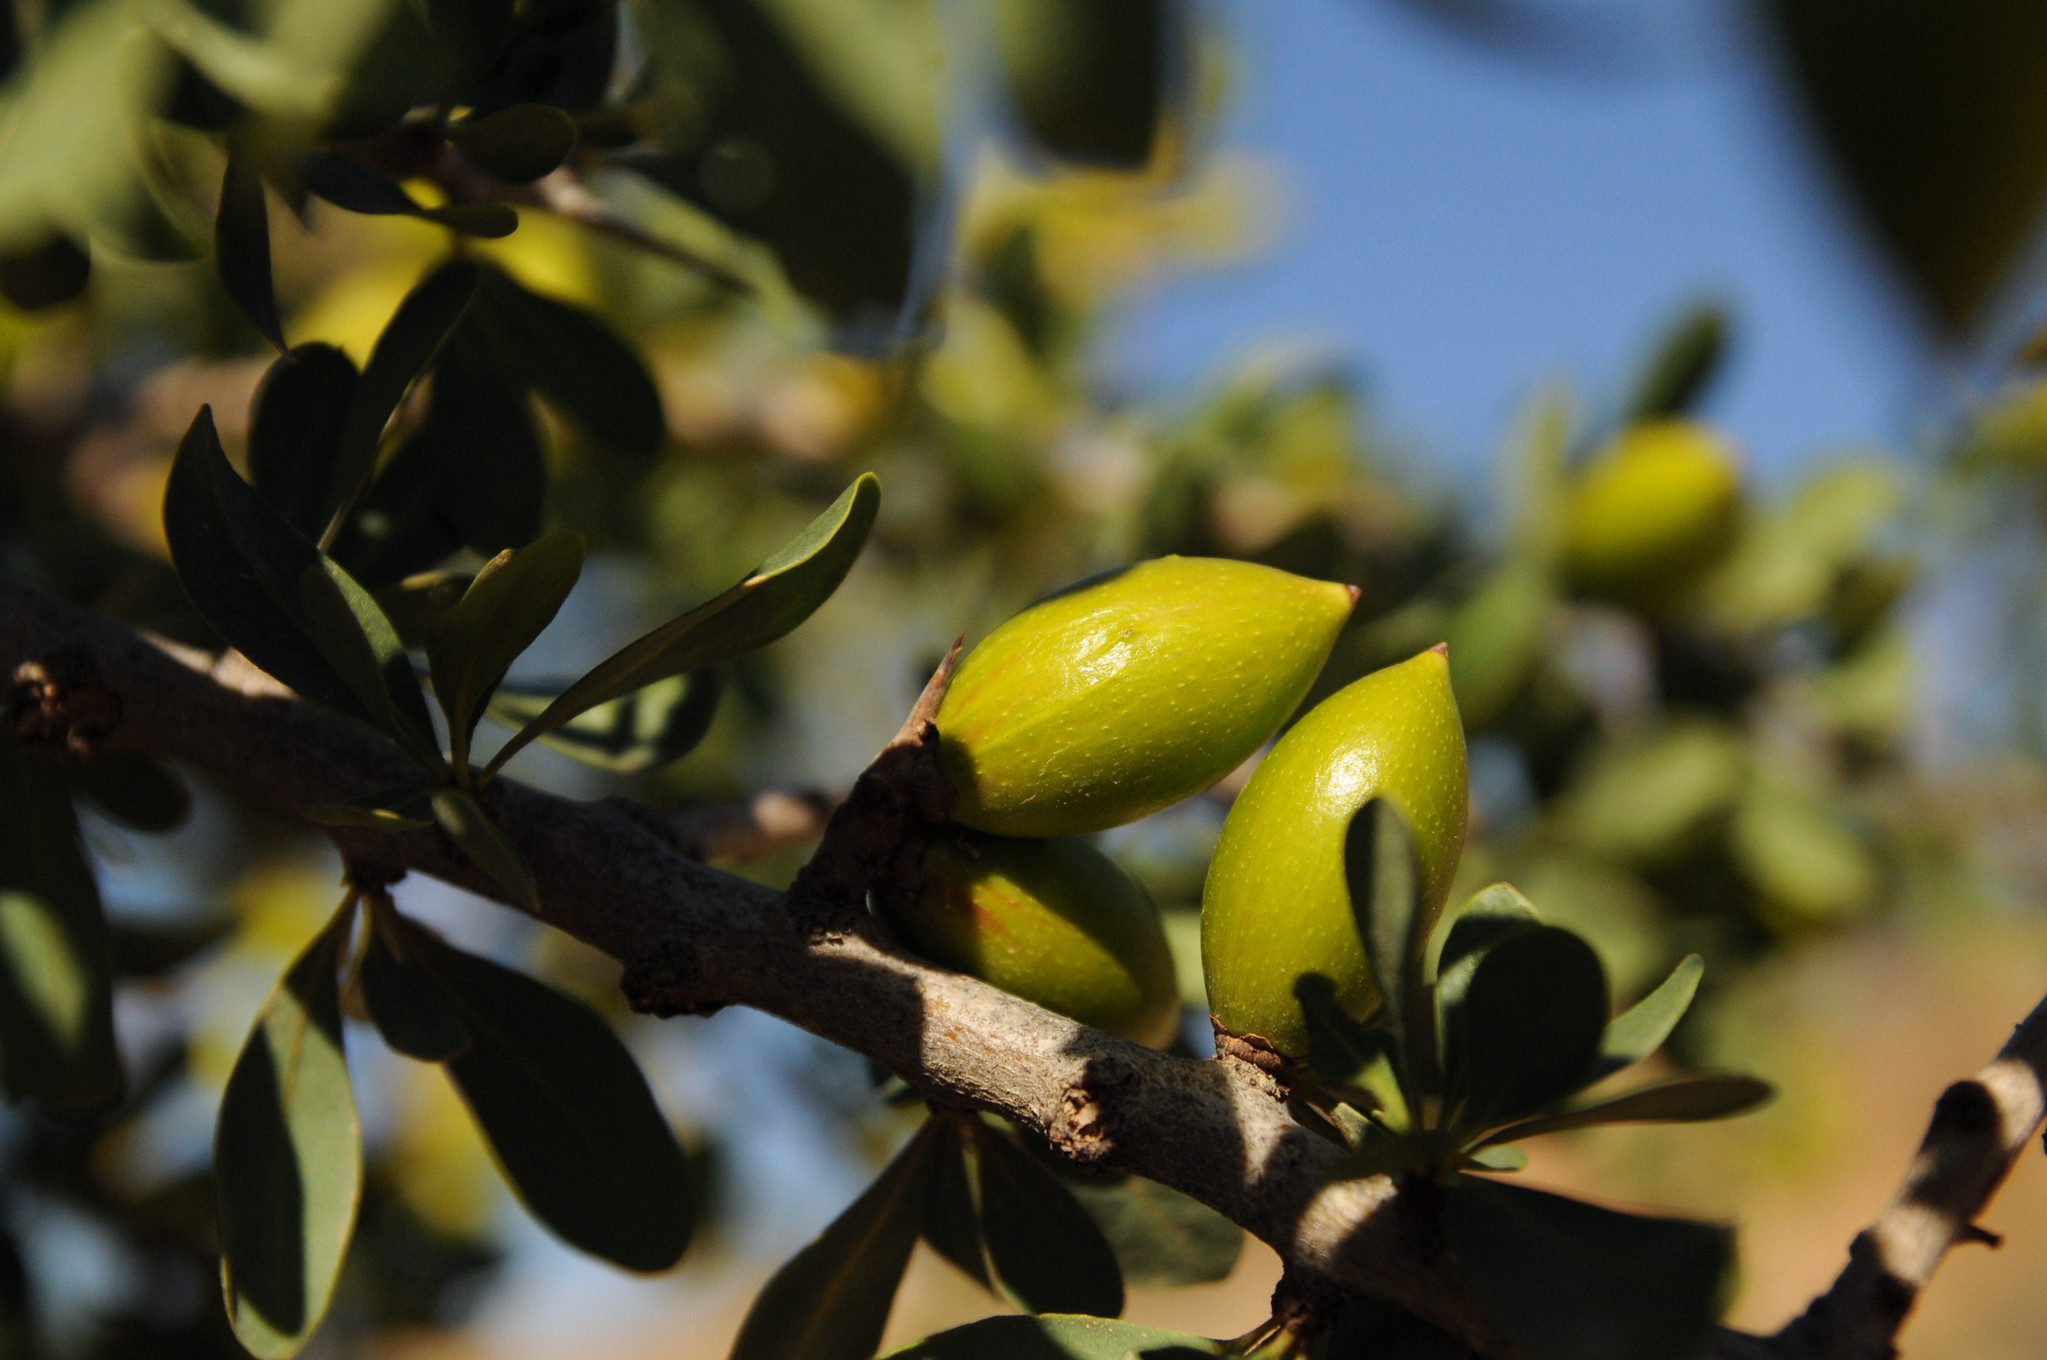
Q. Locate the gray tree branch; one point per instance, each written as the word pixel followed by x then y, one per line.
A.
pixel 691 939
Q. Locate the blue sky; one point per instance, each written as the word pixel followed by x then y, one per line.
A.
pixel 1461 224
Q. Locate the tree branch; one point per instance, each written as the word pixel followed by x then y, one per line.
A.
pixel 691 939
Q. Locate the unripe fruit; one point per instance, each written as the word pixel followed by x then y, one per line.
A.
pixel 1119 697
pixel 1652 512
pixel 1055 922
pixel 1276 907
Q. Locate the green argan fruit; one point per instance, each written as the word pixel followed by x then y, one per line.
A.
pixel 1126 694
pixel 1055 922
pixel 1650 513
pixel 1276 907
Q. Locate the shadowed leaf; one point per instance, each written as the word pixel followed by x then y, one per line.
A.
pixel 56 987
pixel 517 144
pixel 1058 1338
pixel 1160 1236
pixel 1529 1028
pixel 366 652
pixel 485 844
pixel 1572 1281
pixel 773 599
pixel 510 601
pixel 288 1158
pixel 241 245
pixel 1682 366
pixel 566 1111
pixel 360 189
pixel 1687 1100
pixel 405 1001
pixel 1385 885
pixel 1047 1252
pixel 135 790
pixel 643 731
pixel 1095 83
pixel 576 361
pixel 295 433
pixel 831 1300
pixel 49 274
pixel 1493 914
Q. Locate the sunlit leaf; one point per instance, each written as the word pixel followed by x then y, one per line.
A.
pixel 1573 1281
pixel 831 1300
pixel 56 988
pixel 773 599
pixel 1685 1100
pixel 566 1111
pixel 1047 1252
pixel 288 1157
pixel 1641 1029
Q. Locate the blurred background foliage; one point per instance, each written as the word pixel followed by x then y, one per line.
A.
pixel 852 234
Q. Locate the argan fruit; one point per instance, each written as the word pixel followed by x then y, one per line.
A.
pixel 1276 906
pixel 1652 512
pixel 1055 922
pixel 1126 694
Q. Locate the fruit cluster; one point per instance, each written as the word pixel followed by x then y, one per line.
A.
pixel 1125 694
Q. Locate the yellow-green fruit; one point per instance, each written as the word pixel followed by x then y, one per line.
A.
pixel 1276 907
pixel 1119 697
pixel 1055 922
pixel 1653 511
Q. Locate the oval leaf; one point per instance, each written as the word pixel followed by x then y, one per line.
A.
pixel 295 433
pixel 1046 1250
pixel 288 1158
pixel 1572 1281
pixel 406 1003
pixel 1682 366
pixel 566 1111
pixel 1642 1029
pixel 56 983
pixel 773 599
pixel 1059 1338
pixel 517 144
pixel 571 357
pixel 952 1220
pixel 1160 1236
pixel 1385 883
pixel 831 1300
pixel 1530 1026
pixel 514 597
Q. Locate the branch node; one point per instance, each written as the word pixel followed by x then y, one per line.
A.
pixel 1079 1129
pixel 59 701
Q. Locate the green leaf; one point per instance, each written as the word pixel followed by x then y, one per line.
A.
pixel 1058 1338
pixel 571 357
pixel 365 651
pixel 1094 83
pixel 773 599
pixel 1641 1029
pixel 507 605
pixel 405 1001
pixel 241 565
pixel 56 984
pixel 952 1219
pixel 288 1157
pixel 346 184
pixel 1046 1250
pixel 1385 885
pixel 643 731
pixel 241 244
pixel 1351 1058
pixel 1160 1236
pixel 1493 914
pixel 485 844
pixel 135 790
pixel 484 472
pixel 401 809
pixel 831 1300
pixel 1529 1028
pixel 48 274
pixel 566 1111
pixel 1498 1157
pixel 517 144
pixel 1686 1100
pixel 1682 366
pixel 408 345
pixel 295 433
pixel 1572 1281
pixel 1498 637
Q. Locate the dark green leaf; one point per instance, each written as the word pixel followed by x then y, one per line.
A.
pixel 1572 1281
pixel 1058 1338
pixel 402 809
pixel 47 275
pixel 241 564
pixel 56 985
pixel 133 789
pixel 567 1112
pixel 1385 885
pixel 295 433
pixel 1640 1030
pixel 1683 364
pixel 517 144
pixel 1529 1028
pixel 405 1000
pixel 1368 1329
pixel 1493 914
pixel 952 1221
pixel 1046 1250
pixel 1351 1058
pixel 773 599
pixel 1095 83
pixel 1686 1100
pixel 485 844
pixel 151 952
pixel 513 598
pixel 411 340
pixel 288 1157
pixel 831 1300
pixel 571 357
pixel 365 651
pixel 358 188
pixel 643 731
pixel 1160 1236
pixel 415 602
pixel 241 245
